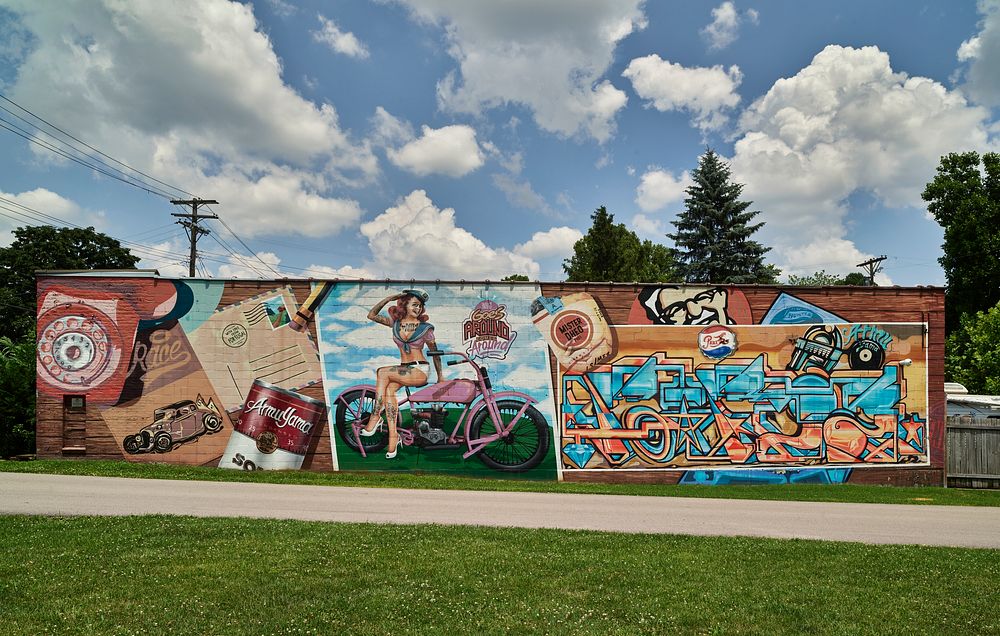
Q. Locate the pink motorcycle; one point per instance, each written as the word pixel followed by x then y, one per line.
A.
pixel 503 429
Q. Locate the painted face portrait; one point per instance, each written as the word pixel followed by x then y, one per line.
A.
pixel 414 308
pixel 685 306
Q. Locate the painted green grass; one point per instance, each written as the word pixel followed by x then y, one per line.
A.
pixel 444 461
pixel 790 492
pixel 158 575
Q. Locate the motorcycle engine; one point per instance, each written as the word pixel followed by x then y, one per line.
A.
pixel 431 433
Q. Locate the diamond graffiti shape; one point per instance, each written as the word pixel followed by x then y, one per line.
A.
pixel 579 454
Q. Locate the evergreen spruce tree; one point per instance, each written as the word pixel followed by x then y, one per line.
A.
pixel 713 232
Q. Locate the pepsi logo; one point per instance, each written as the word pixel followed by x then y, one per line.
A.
pixel 717 342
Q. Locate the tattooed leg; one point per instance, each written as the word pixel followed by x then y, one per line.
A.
pixel 374 418
pixel 392 413
pixel 381 385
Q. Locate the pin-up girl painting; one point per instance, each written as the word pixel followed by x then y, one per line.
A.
pixel 411 332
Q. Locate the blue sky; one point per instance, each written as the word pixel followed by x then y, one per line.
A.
pixel 453 139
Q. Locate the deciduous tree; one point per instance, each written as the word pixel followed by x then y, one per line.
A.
pixel 972 355
pixel 46 247
pixel 964 197
pixel 17 397
pixel 610 251
pixel 822 279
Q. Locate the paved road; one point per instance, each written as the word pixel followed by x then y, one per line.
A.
pixel 868 523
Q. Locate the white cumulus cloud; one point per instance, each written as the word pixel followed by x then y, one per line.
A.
pixel 22 209
pixel 838 255
pixel 345 271
pixel 195 96
pixel 725 25
pixel 659 188
pixel 549 57
pixel 261 265
pixel 845 123
pixel 389 130
pixel 520 194
pixel 557 241
pixel 416 239
pixel 343 42
pixel 648 227
pixel 451 151
pixel 707 93
pixel 982 54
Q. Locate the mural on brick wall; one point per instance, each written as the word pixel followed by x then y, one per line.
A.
pixel 701 392
pixel 447 378
pixel 783 396
pixel 687 305
pixel 178 376
pixel 482 378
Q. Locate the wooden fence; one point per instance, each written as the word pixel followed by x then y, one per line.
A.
pixel 973 452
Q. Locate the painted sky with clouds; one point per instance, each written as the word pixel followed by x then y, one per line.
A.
pixel 353 347
pixel 462 140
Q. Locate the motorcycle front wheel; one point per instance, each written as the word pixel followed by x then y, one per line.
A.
pixel 357 406
pixel 523 448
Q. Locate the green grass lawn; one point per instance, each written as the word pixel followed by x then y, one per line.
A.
pixel 790 492
pixel 159 575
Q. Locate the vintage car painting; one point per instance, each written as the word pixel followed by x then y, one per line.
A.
pixel 173 425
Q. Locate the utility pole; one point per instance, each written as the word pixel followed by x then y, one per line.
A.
pixel 192 226
pixel 873 266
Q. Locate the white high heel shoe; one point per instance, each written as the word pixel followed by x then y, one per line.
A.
pixel 366 433
pixel 392 454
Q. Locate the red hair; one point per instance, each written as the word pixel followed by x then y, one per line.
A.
pixel 399 311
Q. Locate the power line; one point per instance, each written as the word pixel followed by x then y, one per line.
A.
pixel 148 251
pixel 100 166
pixel 194 230
pixel 153 230
pixel 51 125
pixel 35 216
pixel 20 132
pixel 247 247
pixel 873 266
pixel 242 259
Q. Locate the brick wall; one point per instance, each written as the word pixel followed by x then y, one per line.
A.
pixel 163 347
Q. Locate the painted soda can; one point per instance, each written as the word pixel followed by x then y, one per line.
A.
pixel 274 430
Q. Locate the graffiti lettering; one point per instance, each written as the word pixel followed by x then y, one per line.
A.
pixel 714 341
pixel 486 333
pixel 572 329
pixel 869 332
pixel 658 411
pixel 246 464
pixel 489 314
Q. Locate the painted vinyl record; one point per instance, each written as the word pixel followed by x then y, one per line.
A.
pixel 866 355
